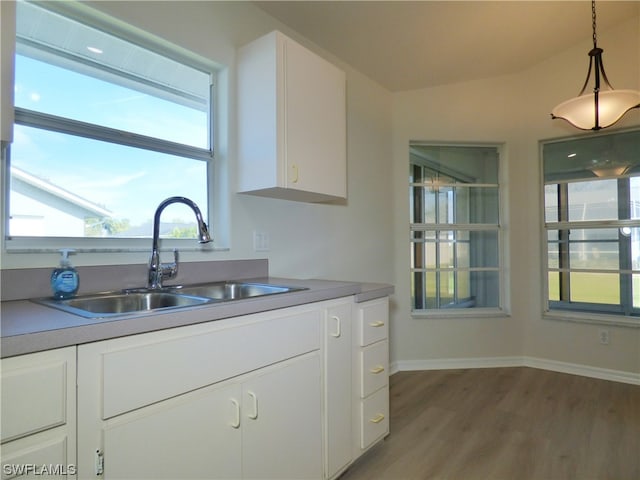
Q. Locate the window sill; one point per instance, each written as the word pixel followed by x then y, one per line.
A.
pixel 593 318
pixel 460 313
pixel 31 245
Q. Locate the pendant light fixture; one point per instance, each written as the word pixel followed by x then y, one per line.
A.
pixel 599 108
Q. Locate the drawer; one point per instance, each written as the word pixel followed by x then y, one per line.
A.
pixel 372 321
pixel 168 368
pixel 34 392
pixel 374 364
pixel 374 418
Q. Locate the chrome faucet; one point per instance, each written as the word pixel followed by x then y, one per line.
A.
pixel 158 271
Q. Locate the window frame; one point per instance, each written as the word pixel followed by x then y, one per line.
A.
pixel 215 188
pixel 598 313
pixel 503 307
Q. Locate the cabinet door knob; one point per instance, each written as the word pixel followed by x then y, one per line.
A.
pixel 377 369
pixel 253 415
pixel 338 330
pixel 235 423
pixel 379 323
pixel 377 419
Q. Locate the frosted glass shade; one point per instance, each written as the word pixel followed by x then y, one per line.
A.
pixel 613 104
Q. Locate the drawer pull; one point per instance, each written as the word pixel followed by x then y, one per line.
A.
pixel 377 419
pixel 236 421
pixel 379 323
pixel 377 369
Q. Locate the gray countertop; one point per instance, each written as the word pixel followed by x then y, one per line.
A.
pixel 27 327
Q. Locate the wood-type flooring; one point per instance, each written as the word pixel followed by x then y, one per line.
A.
pixel 506 424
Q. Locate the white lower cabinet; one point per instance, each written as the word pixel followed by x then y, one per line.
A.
pixel 38 409
pixel 370 373
pixel 265 426
pixel 192 436
pixel 236 398
pixel 295 393
pixel 281 429
pixel 337 387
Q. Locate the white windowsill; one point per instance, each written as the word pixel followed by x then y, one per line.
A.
pixel 460 313
pixel 593 318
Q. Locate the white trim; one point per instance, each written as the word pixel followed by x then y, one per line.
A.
pixel 592 317
pixel 583 370
pixel 532 362
pixel 453 363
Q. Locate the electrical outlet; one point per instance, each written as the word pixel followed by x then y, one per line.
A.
pixel 260 241
pixel 604 336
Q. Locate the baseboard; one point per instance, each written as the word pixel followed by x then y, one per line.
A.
pixel 584 370
pixel 495 362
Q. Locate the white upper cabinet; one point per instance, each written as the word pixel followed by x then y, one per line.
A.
pixel 291 122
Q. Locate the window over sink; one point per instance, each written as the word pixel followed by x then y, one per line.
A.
pixel 109 121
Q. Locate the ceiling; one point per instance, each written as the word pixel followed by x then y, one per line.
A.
pixel 410 45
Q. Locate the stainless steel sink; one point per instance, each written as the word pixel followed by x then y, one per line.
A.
pixel 147 300
pixel 225 291
pixel 111 304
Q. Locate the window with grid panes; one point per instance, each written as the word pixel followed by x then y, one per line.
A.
pixel 455 242
pixel 592 223
pixel 108 123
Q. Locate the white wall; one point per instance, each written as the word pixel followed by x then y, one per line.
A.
pixel 515 110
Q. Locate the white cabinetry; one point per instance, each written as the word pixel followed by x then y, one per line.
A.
pixel 38 407
pixel 236 398
pixel 371 373
pixel 293 393
pixel 282 436
pixel 338 387
pixel 291 122
pixel 183 437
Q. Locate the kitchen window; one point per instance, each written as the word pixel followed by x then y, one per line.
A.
pixel 455 244
pixel 109 121
pixel 592 225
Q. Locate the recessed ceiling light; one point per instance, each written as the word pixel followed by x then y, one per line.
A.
pixel 94 50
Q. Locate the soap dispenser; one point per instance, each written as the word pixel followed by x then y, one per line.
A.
pixel 64 279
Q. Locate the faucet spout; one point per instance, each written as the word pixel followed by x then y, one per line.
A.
pixel 157 270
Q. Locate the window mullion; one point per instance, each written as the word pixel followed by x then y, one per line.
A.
pixel 54 123
pixel 418 248
pixel 437 253
pixel 624 212
pixel 563 244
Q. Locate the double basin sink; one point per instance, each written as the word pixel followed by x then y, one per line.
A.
pixel 171 297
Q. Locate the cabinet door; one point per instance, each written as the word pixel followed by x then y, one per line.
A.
pixel 44 455
pixel 315 123
pixel 193 436
pixel 337 388
pixel 281 424
pixel 38 421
